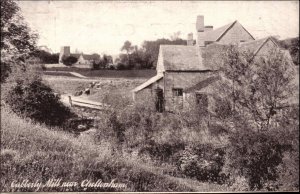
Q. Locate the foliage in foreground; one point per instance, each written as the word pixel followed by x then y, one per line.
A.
pixel 33 152
pixel 17 40
pixel 28 96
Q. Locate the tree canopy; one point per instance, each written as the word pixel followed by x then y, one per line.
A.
pixel 17 40
pixel 146 56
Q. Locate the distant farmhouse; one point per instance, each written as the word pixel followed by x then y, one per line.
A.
pixel 83 60
pixel 188 72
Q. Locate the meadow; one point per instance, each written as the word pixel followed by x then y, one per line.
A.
pixel 144 73
pixel 107 86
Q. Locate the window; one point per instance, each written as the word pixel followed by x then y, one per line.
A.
pixel 177 91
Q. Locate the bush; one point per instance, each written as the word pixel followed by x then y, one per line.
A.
pixel 69 60
pixel 203 162
pixel 255 156
pixel 28 96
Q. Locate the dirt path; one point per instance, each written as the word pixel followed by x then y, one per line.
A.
pixel 77 75
pixel 68 72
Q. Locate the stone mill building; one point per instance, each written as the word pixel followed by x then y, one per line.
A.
pixel 185 73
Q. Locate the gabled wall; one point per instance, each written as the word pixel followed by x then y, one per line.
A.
pixel 235 34
pixel 268 46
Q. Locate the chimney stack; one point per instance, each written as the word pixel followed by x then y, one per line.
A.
pixel 200 30
pixel 200 23
pixel 190 41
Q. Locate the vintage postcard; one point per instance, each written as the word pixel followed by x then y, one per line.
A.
pixel 149 96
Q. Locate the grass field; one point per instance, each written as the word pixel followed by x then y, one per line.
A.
pixel 117 86
pixel 145 73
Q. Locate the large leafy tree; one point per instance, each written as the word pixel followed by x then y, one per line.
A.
pixel 260 87
pixel 264 116
pixel 17 40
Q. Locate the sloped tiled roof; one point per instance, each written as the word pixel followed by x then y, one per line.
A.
pixel 203 83
pixel 90 57
pixel 212 55
pixel 192 58
pixel 86 57
pixel 148 82
pixel 255 45
pixel 181 58
pixel 214 35
pixel 218 33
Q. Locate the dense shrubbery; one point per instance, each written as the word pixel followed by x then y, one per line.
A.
pixel 69 60
pixel 28 96
pixel 46 57
pixel 203 162
pixel 255 156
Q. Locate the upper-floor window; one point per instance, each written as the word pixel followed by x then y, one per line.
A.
pixel 177 91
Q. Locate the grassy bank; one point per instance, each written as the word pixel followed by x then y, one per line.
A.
pixel 32 151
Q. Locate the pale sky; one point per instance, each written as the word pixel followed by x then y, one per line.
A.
pixel 103 26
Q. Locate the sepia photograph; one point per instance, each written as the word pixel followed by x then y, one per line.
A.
pixel 149 96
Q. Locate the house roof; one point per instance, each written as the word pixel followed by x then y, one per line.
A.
pixel 212 55
pixel 181 58
pixel 148 82
pixel 192 58
pixel 203 84
pixel 218 33
pixel 87 57
pixel 255 45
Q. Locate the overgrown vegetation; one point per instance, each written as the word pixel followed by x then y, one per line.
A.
pixel 30 97
pixel 146 56
pixel 32 151
pixel 18 42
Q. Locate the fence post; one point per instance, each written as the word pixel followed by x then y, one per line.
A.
pixel 70 101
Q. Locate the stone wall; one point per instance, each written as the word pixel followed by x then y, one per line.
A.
pixel 182 80
pixel 266 48
pixel 235 34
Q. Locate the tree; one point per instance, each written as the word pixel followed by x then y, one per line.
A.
pixel 292 45
pixel 261 89
pixel 175 36
pixel 17 41
pixel 46 57
pixel 69 60
pixel 151 49
pixel 127 47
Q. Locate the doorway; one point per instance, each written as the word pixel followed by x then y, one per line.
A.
pixel 159 104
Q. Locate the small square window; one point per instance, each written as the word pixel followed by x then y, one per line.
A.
pixel 177 91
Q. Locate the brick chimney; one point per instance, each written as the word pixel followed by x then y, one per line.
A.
pixel 200 30
pixel 190 41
